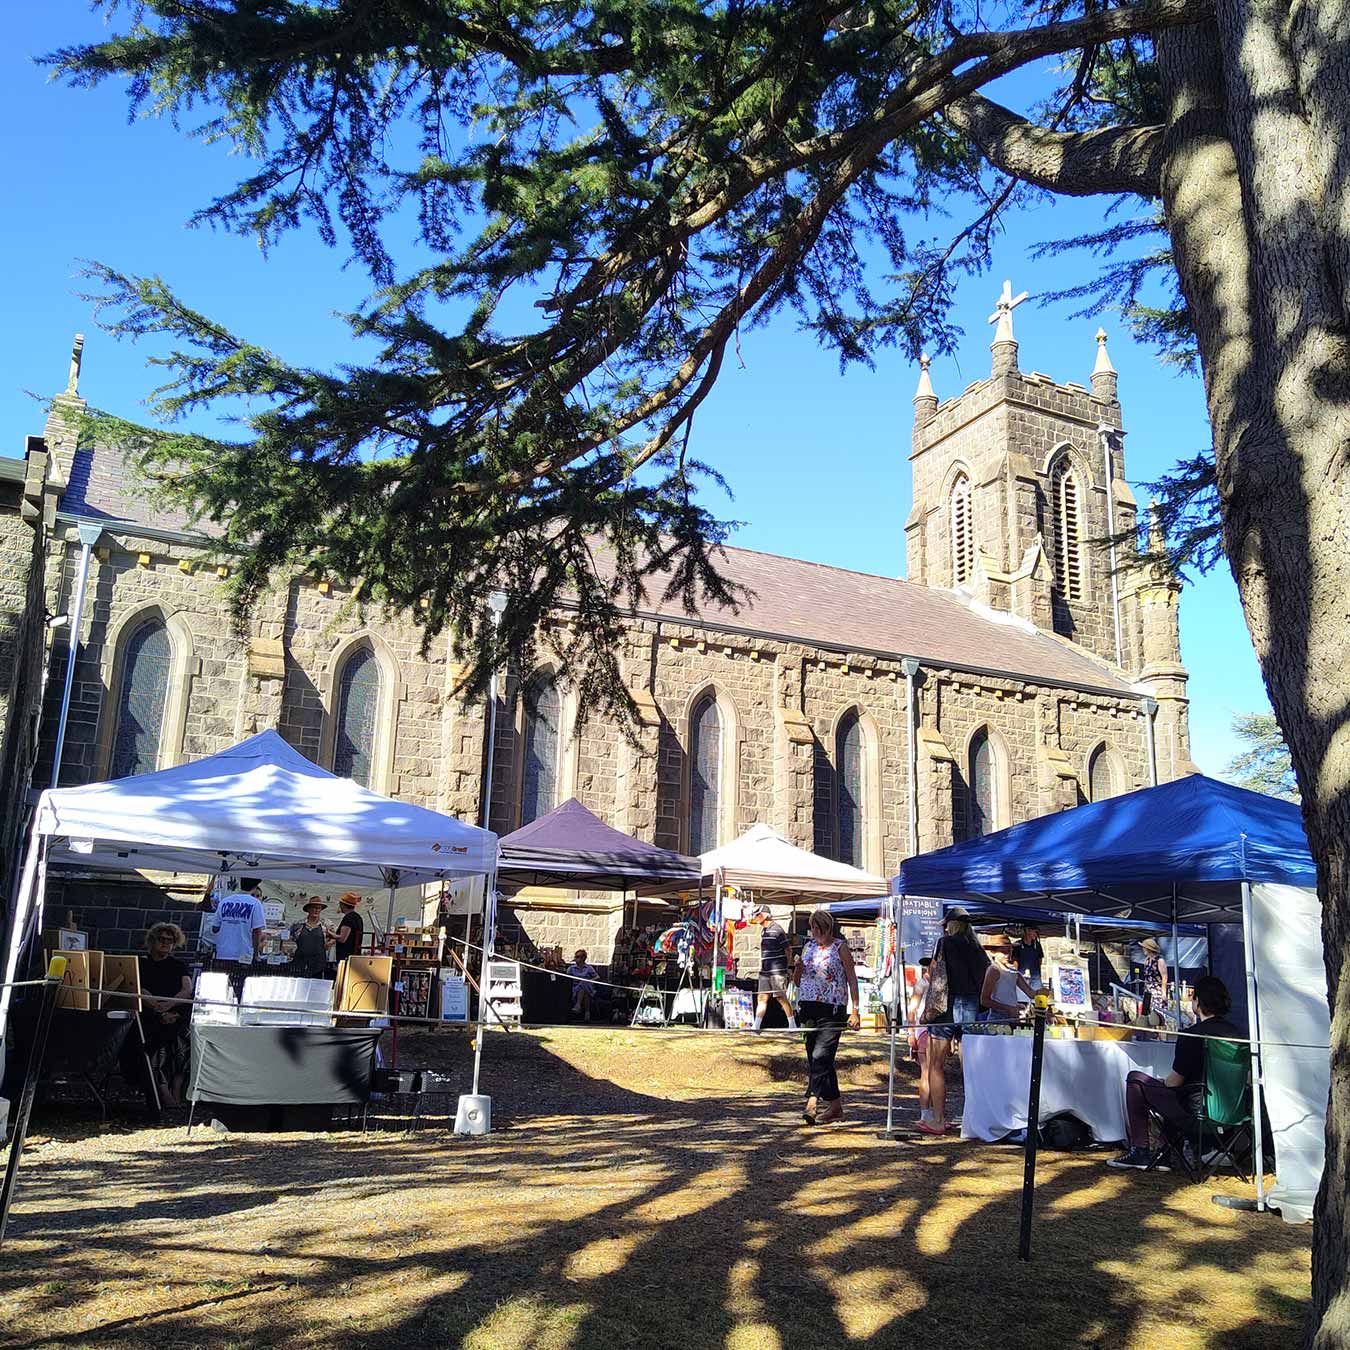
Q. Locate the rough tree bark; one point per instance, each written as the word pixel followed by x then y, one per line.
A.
pixel 1255 189
pixel 1253 167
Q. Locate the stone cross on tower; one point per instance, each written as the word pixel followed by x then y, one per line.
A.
pixel 76 355
pixel 1004 345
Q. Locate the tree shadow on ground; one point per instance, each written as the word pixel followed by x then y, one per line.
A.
pixel 717 1220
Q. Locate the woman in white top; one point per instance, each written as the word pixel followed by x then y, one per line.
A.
pixel 998 996
pixel 827 980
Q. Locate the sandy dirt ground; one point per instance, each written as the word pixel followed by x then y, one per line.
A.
pixel 638 1189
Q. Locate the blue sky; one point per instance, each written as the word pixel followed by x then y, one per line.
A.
pixel 817 459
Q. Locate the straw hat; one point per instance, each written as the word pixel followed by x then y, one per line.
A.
pixel 313 903
pixel 1150 945
pixel 349 900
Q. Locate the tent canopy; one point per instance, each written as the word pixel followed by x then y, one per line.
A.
pixel 763 861
pixel 573 847
pixel 261 809
pixel 1194 841
pixel 1108 927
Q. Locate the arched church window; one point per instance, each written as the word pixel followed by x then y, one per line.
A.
pixel 542 749
pixel 1067 513
pixel 963 532
pixel 848 789
pixel 982 786
pixel 141 700
pixel 358 707
pixel 705 775
pixel 1101 775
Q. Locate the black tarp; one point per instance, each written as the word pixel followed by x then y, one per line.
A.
pixel 282 1065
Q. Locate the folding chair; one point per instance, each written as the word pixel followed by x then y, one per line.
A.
pixel 1221 1128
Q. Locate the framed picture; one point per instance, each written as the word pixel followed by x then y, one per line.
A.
pixel 1069 986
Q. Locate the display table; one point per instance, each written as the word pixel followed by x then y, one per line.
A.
pixel 282 1065
pixel 1084 1077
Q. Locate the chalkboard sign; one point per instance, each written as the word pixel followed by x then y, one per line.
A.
pixel 920 928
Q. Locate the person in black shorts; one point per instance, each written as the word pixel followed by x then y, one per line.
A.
pixel 775 966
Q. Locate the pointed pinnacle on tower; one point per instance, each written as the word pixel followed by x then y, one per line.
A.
pixel 1004 345
pixel 1103 372
pixel 925 397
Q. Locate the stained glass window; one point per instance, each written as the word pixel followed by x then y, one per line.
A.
pixel 539 773
pixel 848 777
pixel 705 775
pixel 983 789
pixel 141 698
pixel 357 710
pixel 1101 780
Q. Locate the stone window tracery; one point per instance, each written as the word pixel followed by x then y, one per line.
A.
pixel 1066 512
pixel 848 790
pixel 358 707
pixel 542 749
pixel 1101 775
pixel 982 786
pixel 963 531
pixel 705 774
pixel 142 698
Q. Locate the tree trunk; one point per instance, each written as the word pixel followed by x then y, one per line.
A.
pixel 1255 193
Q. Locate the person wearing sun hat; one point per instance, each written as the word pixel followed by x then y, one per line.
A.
pixel 312 940
pixel 350 927
pixel 1155 978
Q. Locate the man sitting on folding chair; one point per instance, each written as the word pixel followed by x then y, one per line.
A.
pixel 1177 1100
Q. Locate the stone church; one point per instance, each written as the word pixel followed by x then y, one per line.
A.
pixel 1022 667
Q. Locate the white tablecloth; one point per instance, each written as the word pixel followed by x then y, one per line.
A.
pixel 1085 1077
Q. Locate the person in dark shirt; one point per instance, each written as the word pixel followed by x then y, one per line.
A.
pixel 775 966
pixel 351 926
pixel 164 1023
pixel 965 962
pixel 1175 1098
pixel 1028 955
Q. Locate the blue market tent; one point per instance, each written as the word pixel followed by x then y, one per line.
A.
pixel 1192 842
pixel 1197 850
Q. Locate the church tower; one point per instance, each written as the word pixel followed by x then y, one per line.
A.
pixel 1019 483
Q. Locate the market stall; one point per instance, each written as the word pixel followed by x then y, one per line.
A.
pixel 1193 850
pixel 573 848
pixel 260 809
pixel 762 867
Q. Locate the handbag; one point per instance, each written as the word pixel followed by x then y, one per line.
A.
pixel 935 1005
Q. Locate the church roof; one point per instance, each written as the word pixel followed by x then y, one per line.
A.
pixel 820 605
pixel 806 602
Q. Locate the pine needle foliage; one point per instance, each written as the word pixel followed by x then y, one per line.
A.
pixel 611 193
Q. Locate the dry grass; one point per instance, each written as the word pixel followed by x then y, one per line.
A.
pixel 638 1190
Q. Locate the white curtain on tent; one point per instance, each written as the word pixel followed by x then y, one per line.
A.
pixel 1291 997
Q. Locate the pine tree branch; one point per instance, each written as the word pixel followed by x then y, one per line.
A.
pixel 1076 164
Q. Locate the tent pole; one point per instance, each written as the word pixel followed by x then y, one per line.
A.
pixel 896 978
pixel 1254 1032
pixel 489 935
pixel 1176 961
pixel 23 900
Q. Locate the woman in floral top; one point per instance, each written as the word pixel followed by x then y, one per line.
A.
pixel 826 980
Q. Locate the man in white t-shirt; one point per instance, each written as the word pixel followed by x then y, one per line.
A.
pixel 238 925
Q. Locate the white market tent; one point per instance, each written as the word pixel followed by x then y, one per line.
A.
pixel 258 809
pixel 763 861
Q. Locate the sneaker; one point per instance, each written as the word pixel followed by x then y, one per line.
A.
pixel 1137 1159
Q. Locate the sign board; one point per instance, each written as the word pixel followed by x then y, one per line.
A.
pixel 274 911
pixel 454 999
pixel 920 927
pixel 1069 986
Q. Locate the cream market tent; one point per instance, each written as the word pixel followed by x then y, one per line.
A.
pixel 764 862
pixel 258 809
